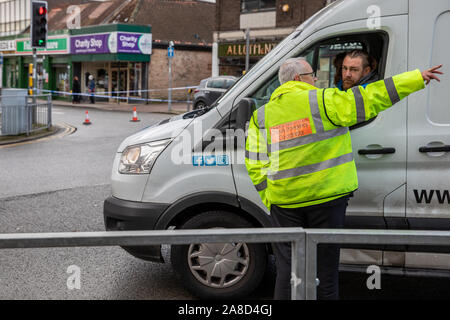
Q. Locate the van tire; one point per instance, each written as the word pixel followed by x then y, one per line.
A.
pixel 257 259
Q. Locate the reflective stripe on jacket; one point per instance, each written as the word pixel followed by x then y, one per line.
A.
pixel 298 149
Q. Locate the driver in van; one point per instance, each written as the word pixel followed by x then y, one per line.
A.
pixel 299 155
pixel 355 68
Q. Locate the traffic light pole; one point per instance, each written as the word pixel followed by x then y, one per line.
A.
pixel 34 74
pixel 33 110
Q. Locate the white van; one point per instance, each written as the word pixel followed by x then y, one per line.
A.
pixel 401 155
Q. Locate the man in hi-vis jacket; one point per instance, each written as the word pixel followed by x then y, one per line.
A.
pixel 299 156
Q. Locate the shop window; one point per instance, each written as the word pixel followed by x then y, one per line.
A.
pixel 12 76
pixel 257 5
pixel 101 82
pixel 62 79
pixel 135 79
pixel 86 79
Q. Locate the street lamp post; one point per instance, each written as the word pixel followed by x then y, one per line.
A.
pixel 247 51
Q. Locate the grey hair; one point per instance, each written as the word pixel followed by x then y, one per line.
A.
pixel 290 68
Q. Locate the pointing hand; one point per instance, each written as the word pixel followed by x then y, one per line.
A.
pixel 429 74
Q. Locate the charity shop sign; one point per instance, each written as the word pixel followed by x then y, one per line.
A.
pixel 114 42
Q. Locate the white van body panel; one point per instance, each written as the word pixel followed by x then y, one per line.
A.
pixel 347 11
pixel 428 116
pixel 169 182
pixel 169 129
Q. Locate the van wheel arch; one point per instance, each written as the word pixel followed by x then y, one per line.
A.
pixel 187 214
pixel 187 207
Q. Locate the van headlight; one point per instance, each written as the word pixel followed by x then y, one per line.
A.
pixel 139 159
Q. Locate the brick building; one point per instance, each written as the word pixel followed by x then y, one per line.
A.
pixel 269 21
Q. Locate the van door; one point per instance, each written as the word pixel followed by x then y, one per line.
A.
pixel 428 199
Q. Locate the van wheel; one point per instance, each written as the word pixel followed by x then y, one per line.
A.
pixel 219 270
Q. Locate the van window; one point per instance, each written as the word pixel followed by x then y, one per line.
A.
pixel 325 65
pixel 439 94
pixel 321 57
pixel 308 55
pixel 262 95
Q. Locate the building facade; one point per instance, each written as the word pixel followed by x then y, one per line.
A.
pixel 267 21
pixel 118 73
pixel 117 55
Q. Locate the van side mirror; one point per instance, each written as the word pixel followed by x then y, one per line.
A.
pixel 243 113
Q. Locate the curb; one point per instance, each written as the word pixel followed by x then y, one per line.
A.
pixel 59 129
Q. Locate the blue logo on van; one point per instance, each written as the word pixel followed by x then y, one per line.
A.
pixel 210 161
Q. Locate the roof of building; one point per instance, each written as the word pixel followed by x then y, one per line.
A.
pixel 184 22
pixel 62 12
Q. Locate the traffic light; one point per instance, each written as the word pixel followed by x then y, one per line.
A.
pixel 39 24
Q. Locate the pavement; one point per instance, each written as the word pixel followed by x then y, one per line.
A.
pixel 176 108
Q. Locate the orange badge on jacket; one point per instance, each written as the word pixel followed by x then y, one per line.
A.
pixel 290 130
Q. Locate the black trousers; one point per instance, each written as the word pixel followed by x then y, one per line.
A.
pixel 329 215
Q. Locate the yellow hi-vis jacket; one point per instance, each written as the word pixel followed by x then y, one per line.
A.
pixel 298 148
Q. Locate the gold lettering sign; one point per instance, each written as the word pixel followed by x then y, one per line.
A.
pixel 240 49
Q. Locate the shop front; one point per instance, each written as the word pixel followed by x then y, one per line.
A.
pixel 232 55
pixel 117 56
pixel 9 66
pixel 53 65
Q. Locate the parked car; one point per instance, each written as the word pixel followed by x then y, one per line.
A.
pixel 211 89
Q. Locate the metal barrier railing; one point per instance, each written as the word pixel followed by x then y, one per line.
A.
pixel 344 236
pixel 304 243
pixel 25 114
pixel 142 238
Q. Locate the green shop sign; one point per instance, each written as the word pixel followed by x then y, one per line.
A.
pixel 54 46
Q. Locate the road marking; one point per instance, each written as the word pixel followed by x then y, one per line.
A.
pixel 58 111
pixel 68 129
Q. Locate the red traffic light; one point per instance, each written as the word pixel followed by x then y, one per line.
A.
pixel 42 10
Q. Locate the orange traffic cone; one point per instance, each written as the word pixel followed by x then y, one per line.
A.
pixel 135 118
pixel 86 120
